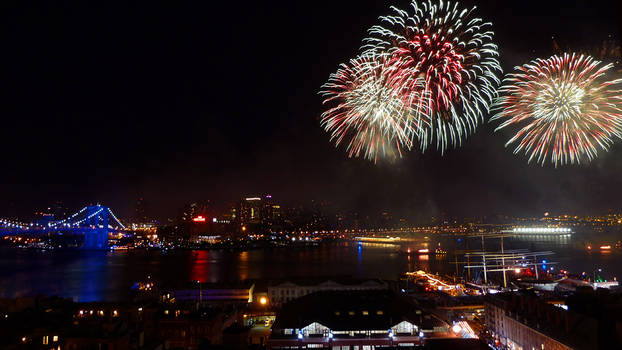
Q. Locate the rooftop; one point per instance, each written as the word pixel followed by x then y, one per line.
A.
pixel 353 310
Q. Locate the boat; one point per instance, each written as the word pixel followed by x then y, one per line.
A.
pixel 424 251
pixel 541 285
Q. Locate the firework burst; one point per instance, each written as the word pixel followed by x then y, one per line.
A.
pixel 451 52
pixel 565 107
pixel 368 112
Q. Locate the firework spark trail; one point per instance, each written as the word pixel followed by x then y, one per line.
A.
pixel 452 52
pixel 567 107
pixel 369 112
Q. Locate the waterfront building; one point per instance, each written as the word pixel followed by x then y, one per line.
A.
pixel 353 320
pixel 285 291
pixel 213 293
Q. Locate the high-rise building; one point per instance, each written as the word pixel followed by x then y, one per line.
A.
pixel 140 213
pixel 59 210
pixel 251 210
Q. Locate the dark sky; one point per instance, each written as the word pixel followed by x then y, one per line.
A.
pixel 179 102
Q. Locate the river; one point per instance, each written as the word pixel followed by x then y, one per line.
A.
pixel 108 276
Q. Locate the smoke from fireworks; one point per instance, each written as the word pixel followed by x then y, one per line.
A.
pixel 566 108
pixel 452 52
pixel 369 113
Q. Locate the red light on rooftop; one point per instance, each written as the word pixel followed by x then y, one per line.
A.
pixel 199 218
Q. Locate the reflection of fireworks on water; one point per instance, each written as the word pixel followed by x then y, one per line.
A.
pixel 452 52
pixel 368 112
pixel 566 108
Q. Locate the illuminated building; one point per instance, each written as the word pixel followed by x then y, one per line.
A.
pixel 352 320
pixel 250 210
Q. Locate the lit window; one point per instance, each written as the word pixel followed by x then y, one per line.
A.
pixel 365 313
pixel 55 338
pixel 351 313
pixel 379 312
pixel 337 313
pixel 166 312
pixel 45 340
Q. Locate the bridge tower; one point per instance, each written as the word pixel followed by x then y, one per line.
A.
pixel 96 228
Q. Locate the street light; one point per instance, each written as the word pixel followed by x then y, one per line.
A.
pixel 263 300
pixel 200 292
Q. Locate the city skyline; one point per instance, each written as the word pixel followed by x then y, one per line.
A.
pixel 339 175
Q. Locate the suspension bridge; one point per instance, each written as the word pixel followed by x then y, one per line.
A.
pixel 95 222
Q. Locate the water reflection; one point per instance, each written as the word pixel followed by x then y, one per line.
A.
pixel 243 265
pixel 200 265
pixel 88 276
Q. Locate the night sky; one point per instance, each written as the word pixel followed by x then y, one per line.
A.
pixel 107 102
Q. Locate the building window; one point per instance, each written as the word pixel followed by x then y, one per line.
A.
pixel 337 313
pixel 55 338
pixel 45 340
pixel 379 312
pixel 365 312
pixel 351 313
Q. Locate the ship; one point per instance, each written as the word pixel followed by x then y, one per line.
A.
pixel 424 251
